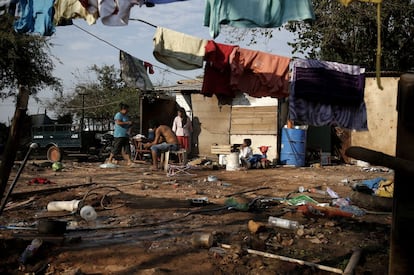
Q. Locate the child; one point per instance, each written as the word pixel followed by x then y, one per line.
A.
pixel 246 153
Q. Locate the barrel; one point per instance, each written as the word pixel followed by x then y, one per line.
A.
pixel 293 147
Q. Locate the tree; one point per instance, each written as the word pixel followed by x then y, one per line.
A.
pixel 349 34
pixel 25 67
pixel 98 100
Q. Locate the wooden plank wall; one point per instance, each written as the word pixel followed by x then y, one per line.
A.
pixel 211 123
pixel 260 120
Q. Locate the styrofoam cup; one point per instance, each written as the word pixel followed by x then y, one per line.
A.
pixel 88 213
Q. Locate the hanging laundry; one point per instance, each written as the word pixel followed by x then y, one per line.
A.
pixel 318 101
pixel 116 12
pixel 178 50
pixel 35 16
pixel 348 81
pixel 134 72
pixel 259 74
pixel 90 5
pixel 8 6
pixel 162 1
pixel 255 13
pixel 217 70
pixel 73 9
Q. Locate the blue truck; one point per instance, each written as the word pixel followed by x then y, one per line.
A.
pixel 60 139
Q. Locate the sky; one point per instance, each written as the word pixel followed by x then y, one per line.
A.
pixel 80 46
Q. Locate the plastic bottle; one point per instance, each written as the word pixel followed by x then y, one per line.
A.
pixel 302 189
pixel 283 223
pixel 30 250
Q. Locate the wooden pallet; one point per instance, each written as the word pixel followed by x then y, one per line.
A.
pixel 221 149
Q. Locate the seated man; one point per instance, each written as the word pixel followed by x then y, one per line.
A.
pixel 164 140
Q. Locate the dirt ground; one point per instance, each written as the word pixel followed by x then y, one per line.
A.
pixel 147 222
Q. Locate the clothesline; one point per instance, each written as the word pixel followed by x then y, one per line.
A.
pixel 114 46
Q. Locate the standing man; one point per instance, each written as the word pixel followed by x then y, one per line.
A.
pixel 121 136
pixel 164 140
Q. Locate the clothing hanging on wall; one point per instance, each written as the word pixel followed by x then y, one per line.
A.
pixel 327 104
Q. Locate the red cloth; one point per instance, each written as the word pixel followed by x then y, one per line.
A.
pixel 259 74
pixel 184 142
pixel 39 181
pixel 217 69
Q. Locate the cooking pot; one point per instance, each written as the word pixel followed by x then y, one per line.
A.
pixel 53 227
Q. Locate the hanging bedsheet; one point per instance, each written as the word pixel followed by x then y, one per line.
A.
pixel 35 16
pixel 217 70
pixel 328 93
pixel 259 74
pixel 178 50
pixel 255 13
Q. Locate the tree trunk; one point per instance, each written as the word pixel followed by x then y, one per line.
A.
pixel 12 144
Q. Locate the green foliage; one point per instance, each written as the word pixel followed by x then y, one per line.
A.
pixel 349 34
pixel 98 100
pixel 25 60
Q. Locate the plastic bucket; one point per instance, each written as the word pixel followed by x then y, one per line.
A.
pixel 293 147
pixel 232 162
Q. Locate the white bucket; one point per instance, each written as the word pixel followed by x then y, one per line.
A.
pixel 222 160
pixel 232 162
pixel 63 205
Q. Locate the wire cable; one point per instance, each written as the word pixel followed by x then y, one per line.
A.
pixel 114 46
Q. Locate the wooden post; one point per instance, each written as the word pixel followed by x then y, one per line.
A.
pixel 402 238
pixel 12 144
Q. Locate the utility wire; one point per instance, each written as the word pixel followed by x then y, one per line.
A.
pixel 112 45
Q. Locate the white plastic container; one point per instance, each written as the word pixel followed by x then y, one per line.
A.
pixel 283 223
pixel 63 205
pixel 232 162
pixel 88 213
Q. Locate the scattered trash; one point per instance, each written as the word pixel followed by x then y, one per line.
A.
pixel 355 210
pixel 341 202
pixel 345 181
pixel 88 213
pixel 255 227
pixel 376 169
pixel 39 181
pixel 302 189
pixel 109 165
pixel 57 166
pixel 63 205
pixel 212 178
pixel 199 201
pixel 202 239
pixel 332 193
pixel 52 227
pixel 282 223
pixel 313 210
pixel 234 204
pixel 377 186
pixel 30 251
pixel 301 199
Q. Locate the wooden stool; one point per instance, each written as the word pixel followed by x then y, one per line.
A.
pixel 165 158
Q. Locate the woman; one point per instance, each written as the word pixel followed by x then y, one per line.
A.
pixel 182 127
